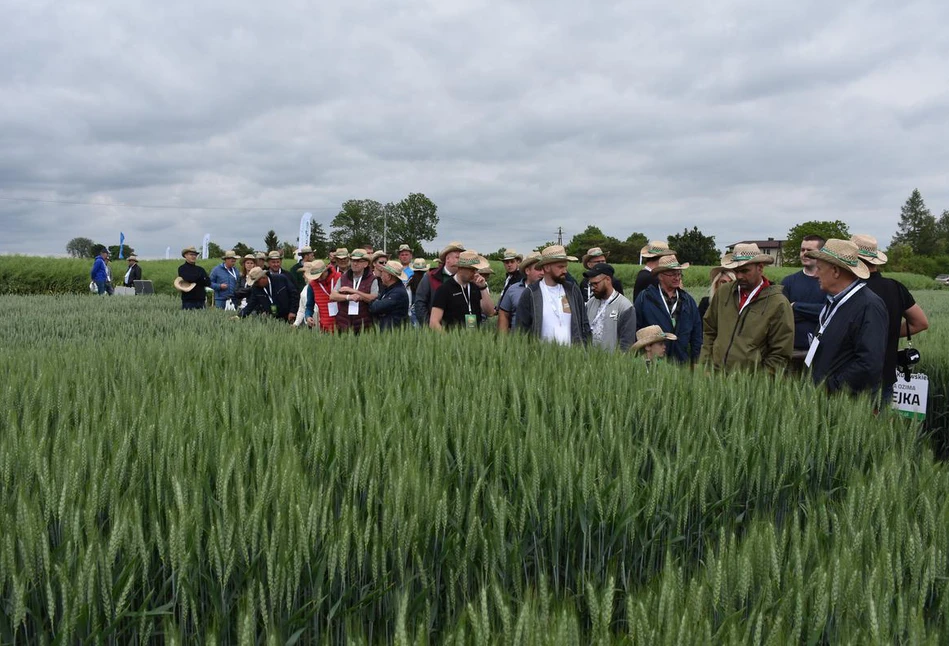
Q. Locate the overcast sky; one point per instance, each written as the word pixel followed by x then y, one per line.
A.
pixel 741 117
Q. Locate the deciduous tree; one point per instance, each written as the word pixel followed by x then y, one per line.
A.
pixel 412 221
pixel 358 223
pixel 80 248
pixel 826 229
pixel 694 247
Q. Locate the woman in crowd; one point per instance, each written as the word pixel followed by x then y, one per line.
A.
pixel 719 276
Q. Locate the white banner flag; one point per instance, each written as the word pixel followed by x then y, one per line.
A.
pixel 204 245
pixel 306 225
pixel 167 253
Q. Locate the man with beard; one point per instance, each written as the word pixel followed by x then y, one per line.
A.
pixel 457 303
pixel 612 317
pixel 673 309
pixel 552 308
pixel 749 325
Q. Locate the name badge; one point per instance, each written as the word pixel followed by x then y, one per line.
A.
pixel 353 308
pixel 273 310
pixel 565 304
pixel 333 308
pixel 471 321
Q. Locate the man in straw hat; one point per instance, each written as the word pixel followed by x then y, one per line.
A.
pixel 133 273
pixel 596 256
pixel 804 293
pixel 512 273
pixel 224 279
pixel 271 295
pixel 673 309
pixel 405 259
pixel 390 310
pixel 749 324
pixel 318 308
pixel 904 316
pixel 651 254
pixel 612 317
pixel 507 306
pixel 340 259
pixel 458 301
pixel 653 342
pixel 305 255
pixel 192 281
pixel 100 273
pixel 261 259
pixel 848 349
pixel 553 308
pixel 433 279
pixel 419 268
pixel 355 289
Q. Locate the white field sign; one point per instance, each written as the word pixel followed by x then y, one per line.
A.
pixel 910 397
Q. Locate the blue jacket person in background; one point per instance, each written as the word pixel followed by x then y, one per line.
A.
pixel 224 279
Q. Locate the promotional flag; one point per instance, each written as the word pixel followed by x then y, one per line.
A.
pixel 121 244
pixel 204 245
pixel 306 225
pixel 167 253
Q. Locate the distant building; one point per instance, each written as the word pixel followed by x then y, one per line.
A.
pixel 772 247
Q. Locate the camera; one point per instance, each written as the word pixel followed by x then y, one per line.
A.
pixel 905 360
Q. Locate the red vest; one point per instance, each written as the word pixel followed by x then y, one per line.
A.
pixel 321 301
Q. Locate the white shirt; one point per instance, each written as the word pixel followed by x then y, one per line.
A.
pixel 555 323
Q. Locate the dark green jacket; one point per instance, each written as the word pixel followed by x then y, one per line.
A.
pixel 762 337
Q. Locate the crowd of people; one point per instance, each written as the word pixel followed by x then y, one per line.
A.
pixel 837 319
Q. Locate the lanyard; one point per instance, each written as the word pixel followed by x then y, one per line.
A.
pixel 467 296
pixel 675 305
pixel 356 282
pixel 829 313
pixel 268 292
pixel 323 287
pixel 602 311
pixel 549 292
pixel 232 272
pixel 750 298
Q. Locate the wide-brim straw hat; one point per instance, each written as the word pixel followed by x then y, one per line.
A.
pixel 249 256
pixel 188 250
pixel 531 259
pixel 451 246
pixel 511 254
pixel 669 263
pixel 182 285
pixel 745 254
pixel 419 264
pixel 469 260
pixel 652 334
pixel 359 254
pixel 256 274
pixel 593 253
pixel 394 267
pixel 868 250
pixel 260 255
pixel 313 270
pixel 274 255
pixel 555 253
pixel 302 251
pixel 404 247
pixel 229 254
pixel 342 252
pixel 656 249
pixel 843 254
pixel 376 255
pixel 132 257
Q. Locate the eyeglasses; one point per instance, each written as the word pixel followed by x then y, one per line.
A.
pixel 380 262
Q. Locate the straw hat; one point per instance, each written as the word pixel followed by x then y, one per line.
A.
pixel 302 251
pixel 651 334
pixel 256 274
pixel 376 255
pixel 656 249
pixel 593 253
pixel 745 254
pixel 394 267
pixel 229 254
pixel 451 246
pixel 469 259
pixel 531 259
pixel 437 262
pixel 313 270
pixel 510 254
pixel 342 252
pixel 249 256
pixel 274 255
pixel 188 250
pixel 132 257
pixel 867 249
pixel 553 254
pixel 260 255
pixel 359 254
pixel 404 247
pixel 669 263
pixel 419 264
pixel 843 254
pixel 182 285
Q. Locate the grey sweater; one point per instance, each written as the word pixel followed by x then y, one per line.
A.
pixel 619 322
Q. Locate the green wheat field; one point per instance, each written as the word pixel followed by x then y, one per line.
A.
pixel 181 477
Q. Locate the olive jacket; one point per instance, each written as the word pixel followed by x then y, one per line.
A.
pixel 760 337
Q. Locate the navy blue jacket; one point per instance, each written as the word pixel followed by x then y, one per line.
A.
pixel 807 300
pixel 391 308
pixel 650 310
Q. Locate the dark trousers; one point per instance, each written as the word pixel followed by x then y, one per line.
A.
pixel 192 305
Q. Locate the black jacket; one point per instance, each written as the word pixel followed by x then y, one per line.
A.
pixel 135 275
pixel 284 297
pixel 197 275
pixel 644 279
pixel 851 350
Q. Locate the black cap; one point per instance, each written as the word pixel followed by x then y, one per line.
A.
pixel 599 269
